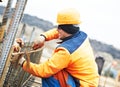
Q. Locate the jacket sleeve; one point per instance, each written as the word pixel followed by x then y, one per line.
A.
pixel 51 34
pixel 57 62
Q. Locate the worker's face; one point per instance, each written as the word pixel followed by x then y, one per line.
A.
pixel 62 34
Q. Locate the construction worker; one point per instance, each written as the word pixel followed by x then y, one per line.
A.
pixel 72 63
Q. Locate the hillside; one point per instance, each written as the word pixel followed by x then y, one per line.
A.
pixel 33 20
pixel 45 25
pixel 102 47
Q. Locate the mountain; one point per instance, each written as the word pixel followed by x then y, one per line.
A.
pixel 33 20
pixel 102 47
pixel 46 25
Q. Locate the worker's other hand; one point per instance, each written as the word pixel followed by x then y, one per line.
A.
pixel 17 60
pixel 38 43
pixel 21 60
pixel 18 44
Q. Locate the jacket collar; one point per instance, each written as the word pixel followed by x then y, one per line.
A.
pixel 67 38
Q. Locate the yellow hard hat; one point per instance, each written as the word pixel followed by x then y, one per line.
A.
pixel 68 16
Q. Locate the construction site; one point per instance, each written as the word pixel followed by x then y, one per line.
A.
pixel 11 74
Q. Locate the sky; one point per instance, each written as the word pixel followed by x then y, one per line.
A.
pixel 100 18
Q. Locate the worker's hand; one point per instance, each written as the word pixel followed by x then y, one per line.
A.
pixel 21 61
pixel 38 43
pixel 18 44
pixel 17 60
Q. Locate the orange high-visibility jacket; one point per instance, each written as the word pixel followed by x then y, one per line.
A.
pixel 74 56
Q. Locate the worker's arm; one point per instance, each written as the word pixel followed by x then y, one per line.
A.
pixel 46 36
pixel 51 34
pixel 57 62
